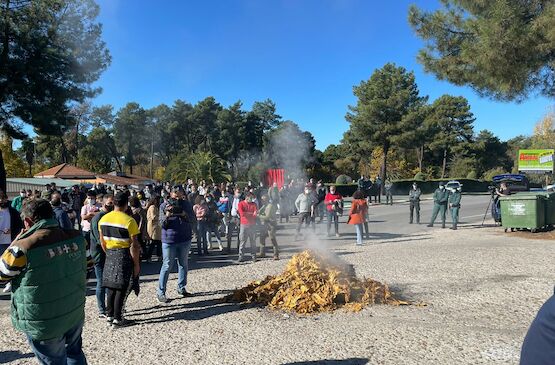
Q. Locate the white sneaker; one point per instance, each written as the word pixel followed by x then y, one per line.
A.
pixel 209 246
pixel 7 288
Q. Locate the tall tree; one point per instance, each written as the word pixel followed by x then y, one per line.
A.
pixel 130 134
pixel 490 153
pixel 28 149
pixel 384 104
pixel 419 135
pixel 179 130
pixel 51 53
pixel 266 113
pixel 203 119
pixel 229 121
pixel 544 131
pixel 100 153
pixel 502 49
pixel 451 122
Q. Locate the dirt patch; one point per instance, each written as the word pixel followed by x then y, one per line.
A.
pixel 542 235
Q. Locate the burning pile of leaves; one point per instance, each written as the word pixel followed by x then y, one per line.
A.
pixel 313 283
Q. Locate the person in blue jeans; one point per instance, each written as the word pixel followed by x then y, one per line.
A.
pixel 98 254
pixel 177 218
pixel 67 349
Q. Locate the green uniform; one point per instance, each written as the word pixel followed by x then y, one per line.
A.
pixel 441 198
pixel 267 216
pixel 414 200
pixel 454 206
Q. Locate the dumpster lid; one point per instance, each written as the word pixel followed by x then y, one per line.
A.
pixel 526 196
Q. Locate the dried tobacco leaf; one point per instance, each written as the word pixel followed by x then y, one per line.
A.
pixel 313 283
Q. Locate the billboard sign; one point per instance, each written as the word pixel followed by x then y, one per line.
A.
pixel 535 160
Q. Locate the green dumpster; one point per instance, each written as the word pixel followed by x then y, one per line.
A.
pixel 524 211
pixel 550 209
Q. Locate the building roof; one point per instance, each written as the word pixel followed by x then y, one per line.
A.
pixel 62 183
pixel 125 179
pixel 66 171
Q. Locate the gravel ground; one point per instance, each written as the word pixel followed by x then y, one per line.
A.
pixel 482 289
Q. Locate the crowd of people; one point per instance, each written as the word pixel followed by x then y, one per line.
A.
pixel 70 233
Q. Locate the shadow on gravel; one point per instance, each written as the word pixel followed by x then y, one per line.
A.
pixel 405 292
pixel 191 311
pixel 351 361
pixel 9 356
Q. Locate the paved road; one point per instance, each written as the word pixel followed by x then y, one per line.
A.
pixel 386 222
pixel 395 218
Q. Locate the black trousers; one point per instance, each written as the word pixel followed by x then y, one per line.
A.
pixel 115 299
pixel 304 218
pixel 415 205
pixel 154 245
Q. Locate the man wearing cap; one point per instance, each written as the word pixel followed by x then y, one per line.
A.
pixel 441 197
pixel 414 201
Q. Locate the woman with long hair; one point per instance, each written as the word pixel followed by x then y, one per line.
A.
pixel 357 214
pixel 154 229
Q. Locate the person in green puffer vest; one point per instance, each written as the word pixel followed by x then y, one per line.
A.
pixel 47 269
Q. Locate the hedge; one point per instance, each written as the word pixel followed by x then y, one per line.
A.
pixel 402 187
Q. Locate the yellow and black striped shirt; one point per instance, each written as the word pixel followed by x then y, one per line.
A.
pixel 117 229
pixel 12 263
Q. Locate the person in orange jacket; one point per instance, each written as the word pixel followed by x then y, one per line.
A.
pixel 358 213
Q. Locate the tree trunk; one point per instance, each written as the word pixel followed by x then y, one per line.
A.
pixel 383 172
pixel 152 157
pixel 64 150
pixel 30 170
pixel 420 157
pixel 6 38
pixel 77 143
pixel 3 182
pixel 444 163
pixel 119 164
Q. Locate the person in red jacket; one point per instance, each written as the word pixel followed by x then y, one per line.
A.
pixel 334 206
pixel 247 210
pixel 357 214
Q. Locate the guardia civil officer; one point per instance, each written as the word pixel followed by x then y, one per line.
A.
pixel 414 200
pixel 441 197
pixel 454 206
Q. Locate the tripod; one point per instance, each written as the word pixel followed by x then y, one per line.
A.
pixel 492 201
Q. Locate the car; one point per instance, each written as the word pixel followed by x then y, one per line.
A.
pixel 515 182
pixel 453 185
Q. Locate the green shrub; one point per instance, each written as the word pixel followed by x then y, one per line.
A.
pixel 343 180
pixel 488 175
pixel 420 176
pixel 402 187
pixel 471 175
pixel 461 167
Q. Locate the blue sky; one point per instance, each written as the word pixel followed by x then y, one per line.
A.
pixel 306 55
